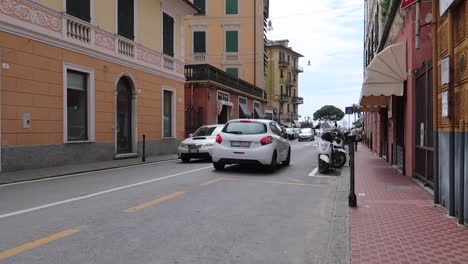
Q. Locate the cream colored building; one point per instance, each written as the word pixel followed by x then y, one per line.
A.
pixel 229 34
pixel 282 83
pixel 84 80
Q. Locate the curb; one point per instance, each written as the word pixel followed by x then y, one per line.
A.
pixel 2 183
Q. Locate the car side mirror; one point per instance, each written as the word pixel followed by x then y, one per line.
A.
pixel 190 135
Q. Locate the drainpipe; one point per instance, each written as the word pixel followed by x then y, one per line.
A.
pixel 452 121
pixel 255 43
pixel 461 184
pixel 418 24
pixel 435 94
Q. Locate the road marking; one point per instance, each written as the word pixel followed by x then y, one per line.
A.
pixel 279 182
pixel 211 182
pixel 98 193
pixel 312 173
pixel 153 202
pixel 85 173
pixel 36 243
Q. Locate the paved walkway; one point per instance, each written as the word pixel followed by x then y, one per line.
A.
pixel 396 221
pixel 26 175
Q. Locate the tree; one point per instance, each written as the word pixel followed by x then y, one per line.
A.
pixel 329 113
pixel 307 123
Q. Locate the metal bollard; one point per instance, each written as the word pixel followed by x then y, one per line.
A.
pixel 352 200
pixel 143 157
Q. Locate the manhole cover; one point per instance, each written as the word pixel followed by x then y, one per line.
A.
pixel 397 187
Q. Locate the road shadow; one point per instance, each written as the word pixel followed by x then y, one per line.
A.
pixel 246 170
pixel 195 161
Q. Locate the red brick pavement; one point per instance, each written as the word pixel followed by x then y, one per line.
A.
pixel 396 222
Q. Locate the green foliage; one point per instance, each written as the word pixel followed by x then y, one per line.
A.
pixel 307 123
pixel 329 112
pixel 384 4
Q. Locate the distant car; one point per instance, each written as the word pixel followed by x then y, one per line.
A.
pixel 290 133
pixel 306 134
pixel 252 141
pixel 200 144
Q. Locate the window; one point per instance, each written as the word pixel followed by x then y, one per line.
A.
pixel 275 129
pixel 199 41
pixel 168 35
pixel 243 128
pixel 77 106
pixel 126 19
pixel 281 74
pixel 79 9
pixel 244 111
pixel 223 96
pixel 233 71
pixel 288 108
pixel 167 113
pixel 281 89
pixel 288 58
pixel 232 41
pixel 205 132
pixel 232 7
pixel 200 4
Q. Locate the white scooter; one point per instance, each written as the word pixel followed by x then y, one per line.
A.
pixel 331 153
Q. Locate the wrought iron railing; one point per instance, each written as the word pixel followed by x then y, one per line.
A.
pixel 297 100
pixel 206 72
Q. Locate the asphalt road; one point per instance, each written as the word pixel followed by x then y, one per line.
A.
pixel 170 212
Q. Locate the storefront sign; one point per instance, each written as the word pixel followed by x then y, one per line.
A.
pixel 444 5
pixel 445 105
pixel 444 71
pixel 406 3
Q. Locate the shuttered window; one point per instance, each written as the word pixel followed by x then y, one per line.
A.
pixel 79 9
pixel 200 4
pixel 232 41
pixel 232 7
pixel 233 71
pixel 168 35
pixel 126 19
pixel 199 41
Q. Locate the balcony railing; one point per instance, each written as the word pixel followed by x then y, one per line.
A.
pixel 199 57
pixel 126 47
pixel 78 30
pixel 290 82
pixel 284 98
pixel 297 100
pixel 283 63
pixel 206 72
pixel 297 68
pixel 231 56
pixel 168 63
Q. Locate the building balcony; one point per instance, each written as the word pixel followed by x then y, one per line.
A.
pixel 284 98
pixel 199 58
pixel 283 63
pixel 290 82
pixel 297 100
pixel 206 72
pixel 297 69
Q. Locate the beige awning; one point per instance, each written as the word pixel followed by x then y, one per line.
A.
pixel 385 76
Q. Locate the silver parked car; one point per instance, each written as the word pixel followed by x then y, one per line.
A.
pixel 306 134
pixel 200 144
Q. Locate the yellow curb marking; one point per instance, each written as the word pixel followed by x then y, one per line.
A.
pixel 19 249
pixel 211 182
pixel 153 202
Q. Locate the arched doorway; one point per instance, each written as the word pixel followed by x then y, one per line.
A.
pixel 125 117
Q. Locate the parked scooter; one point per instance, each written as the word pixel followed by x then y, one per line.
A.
pixel 331 153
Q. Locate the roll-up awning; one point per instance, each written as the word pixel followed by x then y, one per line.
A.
pixel 385 76
pixel 245 110
pixel 259 113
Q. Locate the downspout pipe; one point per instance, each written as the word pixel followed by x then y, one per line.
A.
pixel 461 184
pixel 393 9
pixel 451 51
pixel 435 93
pixel 418 25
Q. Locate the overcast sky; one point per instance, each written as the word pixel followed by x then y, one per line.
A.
pixel 329 33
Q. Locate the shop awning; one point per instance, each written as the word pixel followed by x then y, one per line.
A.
pixel 259 113
pixel 245 111
pixel 296 123
pixel 220 105
pixel 385 76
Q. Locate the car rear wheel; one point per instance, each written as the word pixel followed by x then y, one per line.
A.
pixel 288 159
pixel 272 167
pixel 322 166
pixel 185 159
pixel 218 165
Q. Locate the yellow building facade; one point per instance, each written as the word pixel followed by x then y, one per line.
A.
pixel 84 80
pixel 229 34
pixel 282 83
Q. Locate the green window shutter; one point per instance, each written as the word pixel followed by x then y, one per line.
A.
pixel 168 35
pixel 79 9
pixel 232 7
pixel 126 19
pixel 233 71
pixel 200 4
pixel 199 41
pixel 232 41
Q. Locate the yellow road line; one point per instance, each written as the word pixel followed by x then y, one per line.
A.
pixel 153 202
pixel 279 182
pixel 211 182
pixel 19 249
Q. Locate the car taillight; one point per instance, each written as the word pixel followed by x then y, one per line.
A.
pixel 266 140
pixel 246 121
pixel 219 139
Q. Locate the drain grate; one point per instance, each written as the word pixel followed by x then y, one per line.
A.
pixel 397 187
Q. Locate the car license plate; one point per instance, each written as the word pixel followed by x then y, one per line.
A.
pixel 240 144
pixel 194 150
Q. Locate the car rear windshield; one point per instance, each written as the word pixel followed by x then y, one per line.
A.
pixel 204 132
pixel 306 130
pixel 245 128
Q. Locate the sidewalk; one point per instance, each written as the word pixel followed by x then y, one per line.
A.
pixel 396 221
pixel 34 174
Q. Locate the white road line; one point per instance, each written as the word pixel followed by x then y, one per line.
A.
pixel 312 173
pixel 85 173
pixel 98 193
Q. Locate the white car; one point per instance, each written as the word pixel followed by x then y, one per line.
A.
pixel 200 144
pixel 306 134
pixel 251 141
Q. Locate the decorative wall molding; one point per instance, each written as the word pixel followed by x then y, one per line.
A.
pixel 148 56
pixel 104 40
pixel 28 13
